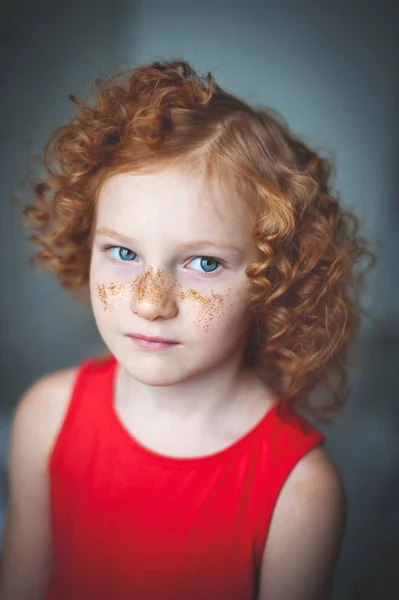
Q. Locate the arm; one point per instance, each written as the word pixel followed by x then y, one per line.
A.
pixel 26 560
pixel 306 533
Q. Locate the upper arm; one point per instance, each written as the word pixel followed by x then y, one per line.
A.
pixel 306 533
pixel 26 559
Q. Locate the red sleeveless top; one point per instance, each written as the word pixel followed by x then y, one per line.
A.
pixel 129 523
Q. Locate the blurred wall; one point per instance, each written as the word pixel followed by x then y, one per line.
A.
pixel 331 68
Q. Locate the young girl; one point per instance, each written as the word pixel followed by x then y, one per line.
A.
pixel 221 273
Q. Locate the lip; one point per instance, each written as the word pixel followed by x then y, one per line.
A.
pixel 150 339
pixel 151 343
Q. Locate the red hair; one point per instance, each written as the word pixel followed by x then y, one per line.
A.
pixel 305 304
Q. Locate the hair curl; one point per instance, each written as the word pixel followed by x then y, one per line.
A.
pixel 305 304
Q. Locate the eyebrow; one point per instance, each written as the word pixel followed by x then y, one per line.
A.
pixel 198 243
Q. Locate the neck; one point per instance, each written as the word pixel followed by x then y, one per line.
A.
pixel 198 398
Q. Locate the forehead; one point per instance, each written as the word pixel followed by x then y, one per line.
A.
pixel 172 200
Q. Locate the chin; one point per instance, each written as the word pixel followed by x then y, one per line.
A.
pixel 152 372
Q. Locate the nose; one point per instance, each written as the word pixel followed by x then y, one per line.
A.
pixel 153 295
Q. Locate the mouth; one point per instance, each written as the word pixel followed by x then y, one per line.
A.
pixel 148 338
pixel 151 343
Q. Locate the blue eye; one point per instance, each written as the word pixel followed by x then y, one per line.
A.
pixel 207 263
pixel 122 253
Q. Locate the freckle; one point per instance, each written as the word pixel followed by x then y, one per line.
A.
pixel 154 284
pixel 213 306
pixel 109 293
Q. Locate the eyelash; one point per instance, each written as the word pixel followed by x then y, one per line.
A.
pixel 220 262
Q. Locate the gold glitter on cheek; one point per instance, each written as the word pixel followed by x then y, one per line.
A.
pixel 109 293
pixel 213 306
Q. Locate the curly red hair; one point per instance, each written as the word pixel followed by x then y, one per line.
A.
pixel 305 305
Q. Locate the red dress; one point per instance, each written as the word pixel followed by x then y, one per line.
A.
pixel 129 523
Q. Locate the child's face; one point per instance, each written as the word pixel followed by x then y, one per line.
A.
pixel 163 278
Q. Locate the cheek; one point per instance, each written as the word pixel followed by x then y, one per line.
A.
pixel 109 293
pixel 105 291
pixel 213 310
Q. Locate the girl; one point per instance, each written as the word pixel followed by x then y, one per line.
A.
pixel 221 273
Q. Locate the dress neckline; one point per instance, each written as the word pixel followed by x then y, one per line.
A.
pixel 185 461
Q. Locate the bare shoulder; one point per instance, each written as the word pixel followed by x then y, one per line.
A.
pixel 57 383
pixel 43 405
pixel 306 532
pixel 317 469
pixel 27 549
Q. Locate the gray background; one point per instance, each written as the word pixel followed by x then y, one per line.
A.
pixel 331 69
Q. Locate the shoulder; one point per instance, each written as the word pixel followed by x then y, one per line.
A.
pixel 306 531
pixel 313 483
pixel 27 529
pixel 41 409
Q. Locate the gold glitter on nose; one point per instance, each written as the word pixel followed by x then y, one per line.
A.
pixel 109 293
pixel 154 284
